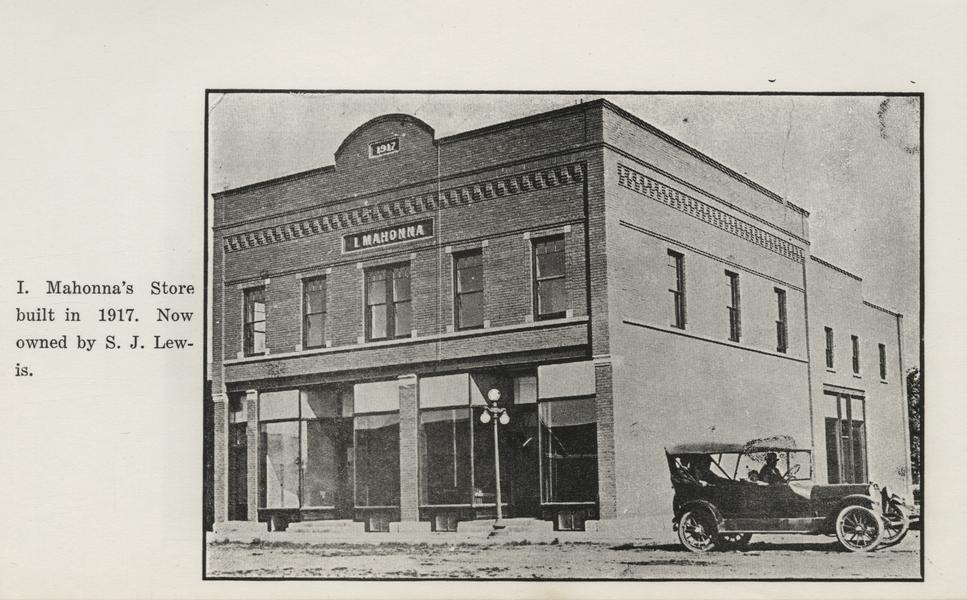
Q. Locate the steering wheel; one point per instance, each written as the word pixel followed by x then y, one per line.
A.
pixel 789 474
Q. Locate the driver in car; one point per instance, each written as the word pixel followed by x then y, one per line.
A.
pixel 769 473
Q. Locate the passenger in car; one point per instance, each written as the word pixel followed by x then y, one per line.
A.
pixel 701 469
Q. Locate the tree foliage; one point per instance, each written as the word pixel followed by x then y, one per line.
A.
pixel 915 412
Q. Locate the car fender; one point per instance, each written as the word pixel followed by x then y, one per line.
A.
pixel 693 504
pixel 860 499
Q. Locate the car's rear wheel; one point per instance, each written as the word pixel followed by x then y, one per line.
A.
pixel 733 541
pixel 697 531
pixel 858 528
pixel 896 524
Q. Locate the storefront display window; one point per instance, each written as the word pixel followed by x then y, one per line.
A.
pixel 377 459
pixel 445 476
pixel 305 447
pixel 569 450
pixel 280 443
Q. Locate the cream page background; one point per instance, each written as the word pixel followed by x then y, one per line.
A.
pixel 102 132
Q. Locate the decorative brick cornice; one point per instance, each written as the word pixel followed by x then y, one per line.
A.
pixel 414 205
pixel 650 188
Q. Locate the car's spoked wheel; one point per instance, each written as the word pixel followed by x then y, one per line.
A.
pixel 697 531
pixel 858 528
pixel 733 541
pixel 896 523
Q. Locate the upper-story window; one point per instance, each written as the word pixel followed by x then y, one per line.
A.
pixel 314 312
pixel 254 323
pixel 856 354
pixel 550 278
pixel 882 362
pixel 735 315
pixel 388 310
pixel 829 347
pixel 468 299
pixel 782 327
pixel 676 261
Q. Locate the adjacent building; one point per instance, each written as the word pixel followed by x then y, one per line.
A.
pixel 620 289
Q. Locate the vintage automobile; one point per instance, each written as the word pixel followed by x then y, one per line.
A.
pixel 721 500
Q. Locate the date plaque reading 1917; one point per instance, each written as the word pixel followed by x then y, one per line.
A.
pixel 384 147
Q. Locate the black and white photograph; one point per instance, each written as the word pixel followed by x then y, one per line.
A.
pixel 462 300
pixel 616 335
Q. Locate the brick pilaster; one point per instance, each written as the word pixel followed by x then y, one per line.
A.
pixel 409 449
pixel 252 409
pixel 220 457
pixel 604 406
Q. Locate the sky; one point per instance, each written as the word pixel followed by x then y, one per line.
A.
pixel 852 161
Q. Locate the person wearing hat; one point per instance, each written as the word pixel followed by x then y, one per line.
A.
pixel 769 473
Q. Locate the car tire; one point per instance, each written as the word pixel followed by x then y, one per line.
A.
pixel 858 528
pixel 733 541
pixel 896 524
pixel 697 530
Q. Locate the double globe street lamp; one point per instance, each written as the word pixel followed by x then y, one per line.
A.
pixel 499 416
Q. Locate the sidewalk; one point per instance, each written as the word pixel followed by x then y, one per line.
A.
pixel 477 533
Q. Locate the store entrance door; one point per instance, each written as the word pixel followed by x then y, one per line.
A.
pixel 519 442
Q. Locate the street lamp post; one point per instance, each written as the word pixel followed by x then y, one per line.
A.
pixel 498 415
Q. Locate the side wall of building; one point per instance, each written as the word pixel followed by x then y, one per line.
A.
pixel 675 385
pixel 836 302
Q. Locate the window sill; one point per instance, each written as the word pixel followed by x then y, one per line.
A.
pixel 884 381
pixel 828 370
pixel 857 376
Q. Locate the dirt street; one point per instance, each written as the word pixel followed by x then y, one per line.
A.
pixel 772 557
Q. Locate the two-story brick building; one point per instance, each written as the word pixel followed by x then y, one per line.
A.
pixel 622 291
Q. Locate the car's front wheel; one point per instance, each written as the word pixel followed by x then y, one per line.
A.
pixel 697 531
pixel 896 523
pixel 858 528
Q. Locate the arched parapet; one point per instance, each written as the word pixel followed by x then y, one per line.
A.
pixel 387 151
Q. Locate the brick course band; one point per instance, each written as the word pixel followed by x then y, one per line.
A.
pixel 648 187
pixel 393 209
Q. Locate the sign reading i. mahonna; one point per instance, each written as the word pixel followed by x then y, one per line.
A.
pixel 388 235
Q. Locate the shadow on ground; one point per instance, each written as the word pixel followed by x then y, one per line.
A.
pixel 818 546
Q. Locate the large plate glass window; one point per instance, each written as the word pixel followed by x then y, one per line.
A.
pixel 445 443
pixel 305 449
pixel 569 450
pixel 378 459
